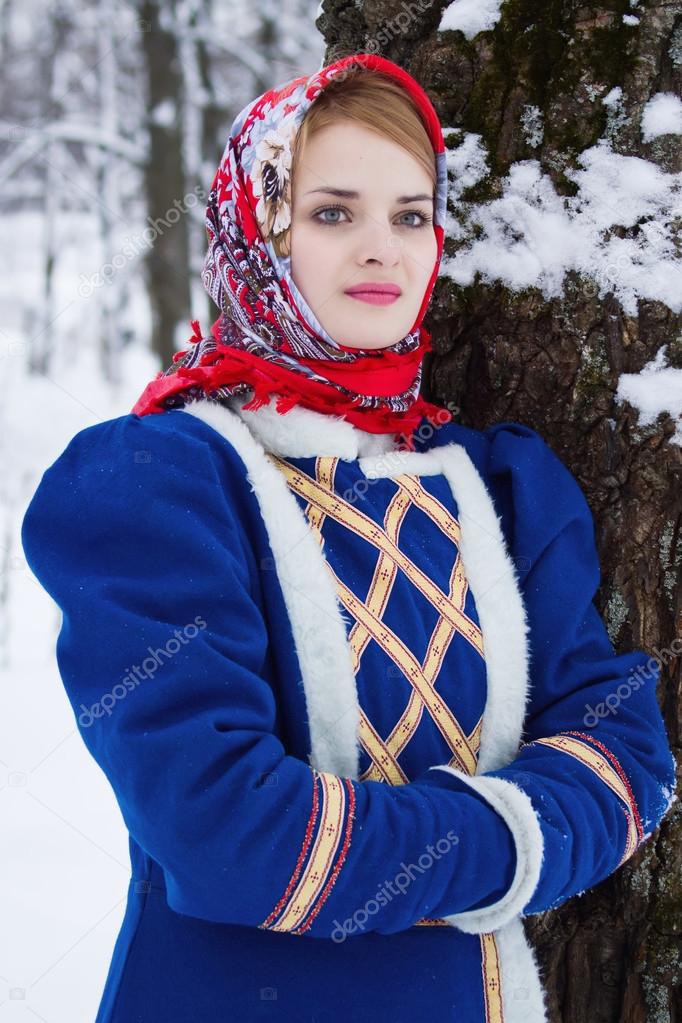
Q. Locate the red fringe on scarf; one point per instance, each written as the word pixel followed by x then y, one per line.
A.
pixel 230 366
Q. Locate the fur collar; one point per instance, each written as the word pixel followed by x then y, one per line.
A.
pixel 304 433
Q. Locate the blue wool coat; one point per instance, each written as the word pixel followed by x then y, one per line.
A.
pixel 356 705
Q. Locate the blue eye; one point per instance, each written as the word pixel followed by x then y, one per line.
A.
pixel 415 213
pixel 329 209
pixel 424 220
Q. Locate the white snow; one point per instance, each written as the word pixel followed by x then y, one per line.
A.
pixel 531 124
pixel 630 19
pixel 531 236
pixel 656 389
pixel 662 115
pixel 66 852
pixel 164 114
pixel 467 164
pixel 471 16
pixel 613 97
pixel 616 115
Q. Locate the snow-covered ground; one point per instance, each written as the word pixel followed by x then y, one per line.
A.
pixel 65 866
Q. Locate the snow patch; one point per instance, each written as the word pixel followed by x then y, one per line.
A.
pixel 164 114
pixel 471 16
pixel 662 115
pixel 613 97
pixel 531 236
pixel 616 115
pixel 467 164
pixel 657 388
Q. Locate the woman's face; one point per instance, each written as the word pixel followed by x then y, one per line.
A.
pixel 382 234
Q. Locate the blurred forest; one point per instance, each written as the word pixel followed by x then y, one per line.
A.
pixel 115 116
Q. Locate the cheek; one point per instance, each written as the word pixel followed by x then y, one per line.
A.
pixel 313 254
pixel 430 247
pixel 424 258
pixel 310 264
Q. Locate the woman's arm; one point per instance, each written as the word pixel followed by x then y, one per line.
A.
pixel 163 651
pixel 596 763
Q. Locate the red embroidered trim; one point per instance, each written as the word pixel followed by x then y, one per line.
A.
pixel 624 778
pixel 302 855
pixel 339 862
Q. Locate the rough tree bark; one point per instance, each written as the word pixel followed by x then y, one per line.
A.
pixel 616 953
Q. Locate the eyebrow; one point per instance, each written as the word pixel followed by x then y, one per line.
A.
pixel 344 193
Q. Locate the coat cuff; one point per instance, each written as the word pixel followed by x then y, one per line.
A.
pixel 516 809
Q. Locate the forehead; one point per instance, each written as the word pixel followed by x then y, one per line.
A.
pixel 352 156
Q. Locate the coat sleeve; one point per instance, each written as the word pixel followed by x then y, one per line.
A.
pixel 137 532
pixel 596 761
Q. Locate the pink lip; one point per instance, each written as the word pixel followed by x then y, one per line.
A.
pixel 391 289
pixel 376 294
pixel 374 297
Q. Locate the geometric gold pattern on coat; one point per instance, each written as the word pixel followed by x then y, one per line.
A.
pixel 368 612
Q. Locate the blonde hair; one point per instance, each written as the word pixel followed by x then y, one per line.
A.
pixel 374 99
pixel 371 98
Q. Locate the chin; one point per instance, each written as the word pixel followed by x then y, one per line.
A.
pixel 370 343
pixel 372 340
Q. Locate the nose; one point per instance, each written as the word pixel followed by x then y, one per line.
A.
pixel 379 244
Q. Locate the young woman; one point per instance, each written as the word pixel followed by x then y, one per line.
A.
pixel 308 619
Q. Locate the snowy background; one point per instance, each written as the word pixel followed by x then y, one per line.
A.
pixel 65 855
pixel 64 860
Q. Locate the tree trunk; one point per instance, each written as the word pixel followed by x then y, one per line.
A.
pixel 532 87
pixel 167 263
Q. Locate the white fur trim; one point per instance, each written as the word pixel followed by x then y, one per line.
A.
pixel 523 995
pixel 398 463
pixel 304 433
pixel 515 807
pixel 499 603
pixel 314 610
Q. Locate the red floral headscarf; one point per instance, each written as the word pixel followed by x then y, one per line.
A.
pixel 267 339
